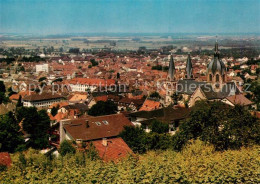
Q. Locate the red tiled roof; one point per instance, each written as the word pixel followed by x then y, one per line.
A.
pixel 101 98
pixel 239 100
pixel 87 81
pixel 150 105
pixel 116 149
pixel 5 159
pixel 43 96
pixel 79 130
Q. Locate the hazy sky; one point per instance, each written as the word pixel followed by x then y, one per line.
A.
pixel 129 16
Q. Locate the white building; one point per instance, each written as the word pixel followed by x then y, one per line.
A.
pixel 42 68
pixel 41 100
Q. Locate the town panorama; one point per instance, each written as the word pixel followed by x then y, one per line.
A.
pixel 137 107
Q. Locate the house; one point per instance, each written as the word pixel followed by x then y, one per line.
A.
pixel 93 128
pixel 171 115
pixel 112 149
pixel 128 104
pixel 150 105
pixel 87 84
pixel 42 100
pixel 15 97
pixel 78 98
pixel 239 99
pixel 102 131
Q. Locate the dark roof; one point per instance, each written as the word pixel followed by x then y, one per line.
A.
pixel 166 115
pixel 78 128
pixel 228 89
pixel 43 96
pixel 80 106
pixel 188 86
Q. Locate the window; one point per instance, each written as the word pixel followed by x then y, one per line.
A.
pixel 217 78
pixel 98 123
pixel 105 122
pixel 210 77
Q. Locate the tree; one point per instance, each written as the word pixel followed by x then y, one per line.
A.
pixel 155 95
pixel 66 148
pixel 36 124
pixel 19 103
pixel 2 87
pixel 135 138
pixel 3 98
pixel 54 110
pixel 159 127
pixel 103 108
pixel 10 137
pixel 42 79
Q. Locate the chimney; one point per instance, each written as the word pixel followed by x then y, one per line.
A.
pixel 104 141
pixel 87 123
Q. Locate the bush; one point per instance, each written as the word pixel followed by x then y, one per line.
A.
pixel 66 148
pixel 159 127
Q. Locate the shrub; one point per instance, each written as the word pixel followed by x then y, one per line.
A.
pixel 66 148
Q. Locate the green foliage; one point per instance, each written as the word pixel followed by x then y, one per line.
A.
pixel 10 137
pixel 92 153
pixel 19 103
pixel 66 148
pixel 3 99
pixel 140 141
pixel 93 62
pixel 54 110
pixel 135 138
pixel 2 87
pixel 155 95
pixel 57 80
pixel 197 163
pixel 215 123
pixel 103 108
pixel 36 124
pixel 159 127
pixel 157 67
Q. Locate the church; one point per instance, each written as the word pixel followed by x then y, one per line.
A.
pixel 215 88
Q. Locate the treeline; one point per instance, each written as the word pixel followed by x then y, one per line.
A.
pixel 10 60
pixel 197 163
pixel 233 52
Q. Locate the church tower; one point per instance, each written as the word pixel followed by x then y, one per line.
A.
pixel 189 68
pixel 216 71
pixel 171 72
pixel 170 82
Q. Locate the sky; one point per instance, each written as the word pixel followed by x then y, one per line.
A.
pixel 129 16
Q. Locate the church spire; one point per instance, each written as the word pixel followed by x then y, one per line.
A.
pixel 171 72
pixel 189 68
pixel 216 54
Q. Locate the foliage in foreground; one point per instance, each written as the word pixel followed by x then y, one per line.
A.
pixel 196 163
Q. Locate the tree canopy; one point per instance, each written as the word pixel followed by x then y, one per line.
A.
pixel 10 137
pixel 36 124
pixel 103 108
pixel 221 125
